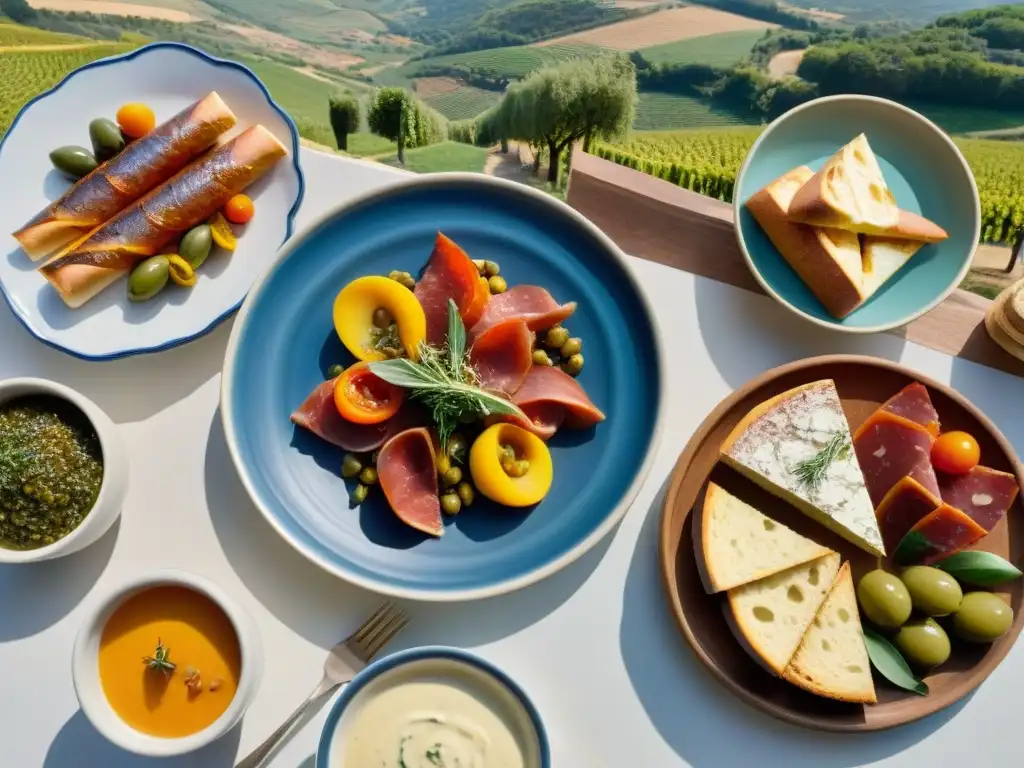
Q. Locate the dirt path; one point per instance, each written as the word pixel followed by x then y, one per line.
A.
pixel 48 47
pixel 785 63
pixel 507 165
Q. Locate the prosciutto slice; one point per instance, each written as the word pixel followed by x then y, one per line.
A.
pixel 984 494
pixel 503 355
pixel 936 536
pixel 530 303
pixel 450 274
pixel 319 415
pixel 550 397
pixel 914 404
pixel 408 477
pixel 889 448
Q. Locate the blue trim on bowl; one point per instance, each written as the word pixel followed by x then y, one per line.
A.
pixel 289 229
pixel 401 658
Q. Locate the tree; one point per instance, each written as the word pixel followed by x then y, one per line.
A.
pixel 344 113
pixel 396 115
pixel 559 105
pixel 17 10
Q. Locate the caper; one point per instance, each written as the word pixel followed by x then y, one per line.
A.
pixel 74 162
pixel 515 467
pixel 556 337
pixel 368 476
pixel 983 618
pixel 497 284
pixel 443 462
pixel 466 493
pixel 195 245
pixel 358 495
pixel 451 504
pixel 573 365
pixel 457 447
pixel 395 275
pixel 540 357
pixel 452 477
pixel 335 371
pixel 480 265
pixel 571 347
pixel 404 278
pixel 491 269
pixel 350 466
pixel 391 353
pixel 106 138
pixel 382 318
pixel 148 278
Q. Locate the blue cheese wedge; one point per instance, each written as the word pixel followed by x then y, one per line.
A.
pixel 798 446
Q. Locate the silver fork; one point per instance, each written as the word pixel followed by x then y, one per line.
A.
pixel 346 659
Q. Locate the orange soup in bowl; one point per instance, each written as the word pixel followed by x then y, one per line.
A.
pixel 169 661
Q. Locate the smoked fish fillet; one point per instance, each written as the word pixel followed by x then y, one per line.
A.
pixel 141 230
pixel 122 180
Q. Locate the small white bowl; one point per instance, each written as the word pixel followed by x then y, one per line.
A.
pixel 89 689
pixel 113 489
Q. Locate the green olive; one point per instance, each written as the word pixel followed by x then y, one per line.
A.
pixel 335 371
pixel 466 494
pixel 983 617
pixel 884 599
pixel 443 462
pixel 368 476
pixel 452 477
pixel 573 365
pixel 540 357
pixel 491 269
pixel 497 284
pixel 148 278
pixel 556 337
pixel 382 318
pixel 106 138
pixel 933 592
pixel 515 467
pixel 195 245
pixel 74 162
pixel 923 642
pixel 571 347
pixel 451 504
pixel 358 495
pixel 350 466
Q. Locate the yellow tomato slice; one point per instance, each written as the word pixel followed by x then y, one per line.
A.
pixel 496 484
pixel 353 316
pixel 222 234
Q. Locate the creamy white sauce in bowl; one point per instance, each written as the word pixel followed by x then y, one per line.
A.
pixel 433 708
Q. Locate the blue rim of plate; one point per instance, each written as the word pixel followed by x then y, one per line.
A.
pixel 737 207
pixel 402 658
pixel 507 585
pixel 217 62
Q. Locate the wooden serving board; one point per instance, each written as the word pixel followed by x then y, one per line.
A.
pixel 864 383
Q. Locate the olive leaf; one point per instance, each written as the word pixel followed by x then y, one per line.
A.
pixel 980 569
pixel 891 665
pixel 913 548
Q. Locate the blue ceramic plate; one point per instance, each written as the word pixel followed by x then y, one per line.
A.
pixel 926 173
pixel 167 77
pixel 284 341
pixel 471 673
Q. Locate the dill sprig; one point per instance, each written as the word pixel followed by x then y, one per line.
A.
pixel 445 382
pixel 811 472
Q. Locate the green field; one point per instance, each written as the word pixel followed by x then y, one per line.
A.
pixel 955 119
pixel 316 21
pixel 446 156
pixel 16 34
pixel 514 62
pixel 669 111
pixel 723 50
pixel 366 144
pixel 301 96
pixel 464 103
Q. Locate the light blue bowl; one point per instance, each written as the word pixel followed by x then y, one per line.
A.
pixel 926 173
pixel 532 733
pixel 284 340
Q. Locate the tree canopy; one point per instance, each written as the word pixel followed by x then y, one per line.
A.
pixel 344 115
pixel 397 115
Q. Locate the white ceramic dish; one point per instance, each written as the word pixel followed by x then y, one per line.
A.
pixel 115 471
pixel 85 668
pixel 168 77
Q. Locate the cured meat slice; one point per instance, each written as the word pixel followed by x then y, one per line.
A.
pixel 530 302
pixel 450 274
pixel 889 448
pixel 320 416
pixel 984 494
pixel 943 532
pixel 408 477
pixel 503 355
pixel 550 397
pixel 914 404
pixel 903 507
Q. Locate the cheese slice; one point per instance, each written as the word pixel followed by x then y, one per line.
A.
pixel 739 544
pixel 770 616
pixel 832 659
pixel 777 444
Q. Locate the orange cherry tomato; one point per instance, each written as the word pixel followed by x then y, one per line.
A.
pixel 239 209
pixel 135 120
pixel 955 453
pixel 475 310
pixel 363 398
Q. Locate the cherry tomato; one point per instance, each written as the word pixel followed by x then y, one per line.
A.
pixel 239 209
pixel 955 453
pixel 135 120
pixel 363 398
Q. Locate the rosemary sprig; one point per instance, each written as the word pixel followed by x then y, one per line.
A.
pixel 161 659
pixel 444 381
pixel 811 472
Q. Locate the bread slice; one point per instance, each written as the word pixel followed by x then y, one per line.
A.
pixel 771 615
pixel 774 444
pixel 827 260
pixel 882 258
pixel 738 544
pixel 832 660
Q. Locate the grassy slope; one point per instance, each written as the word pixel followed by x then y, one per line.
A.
pixel 965 119
pixel 464 103
pixel 312 20
pixel 447 156
pixel 722 50
pixel 668 111
pixel 513 62
pixel 16 34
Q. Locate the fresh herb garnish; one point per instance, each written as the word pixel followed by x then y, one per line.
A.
pixel 444 381
pixel 161 659
pixel 889 662
pixel 13 463
pixel 434 756
pixel 811 472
